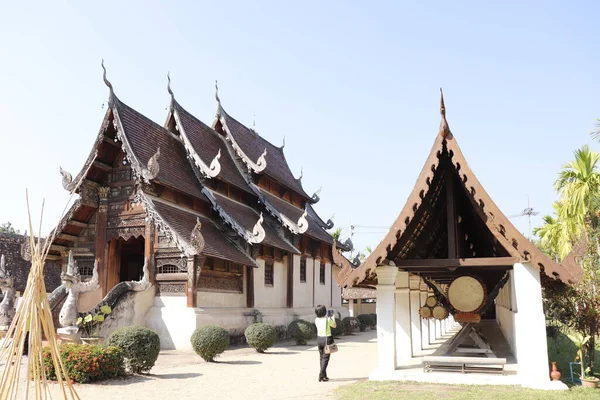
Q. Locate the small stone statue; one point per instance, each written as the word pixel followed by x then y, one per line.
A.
pixel 72 281
pixel 7 307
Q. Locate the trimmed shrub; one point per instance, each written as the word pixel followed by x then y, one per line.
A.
pixel 374 316
pixel 339 328
pixel 365 321
pixel 301 331
pixel 141 346
pixel 261 336
pixel 209 341
pixel 86 363
pixel 350 325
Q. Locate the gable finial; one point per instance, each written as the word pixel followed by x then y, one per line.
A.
pixel 283 144
pixel 217 92
pixel 444 128
pixel 106 81
pixel 169 86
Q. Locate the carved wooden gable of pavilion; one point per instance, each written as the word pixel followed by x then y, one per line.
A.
pixel 451 227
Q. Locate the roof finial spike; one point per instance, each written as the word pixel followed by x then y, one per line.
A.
pixel 254 124
pixel 169 86
pixel 444 128
pixel 217 92
pixel 283 144
pixel 301 173
pixel 106 81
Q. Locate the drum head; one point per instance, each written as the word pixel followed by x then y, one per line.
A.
pixel 466 294
pixel 431 301
pixel 425 312
pixel 440 312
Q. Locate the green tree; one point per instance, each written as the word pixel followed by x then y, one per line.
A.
pixel 8 227
pixel 557 233
pixel 336 234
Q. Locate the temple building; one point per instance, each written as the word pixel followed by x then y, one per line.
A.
pixel 452 257
pixel 226 230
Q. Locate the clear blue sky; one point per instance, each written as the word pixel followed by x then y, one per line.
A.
pixel 353 86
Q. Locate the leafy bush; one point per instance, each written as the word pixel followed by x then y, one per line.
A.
pixel 350 325
pixel 301 331
pixel 365 321
pixel 141 346
pixel 260 336
pixel 86 363
pixel 339 328
pixel 209 341
pixel 374 316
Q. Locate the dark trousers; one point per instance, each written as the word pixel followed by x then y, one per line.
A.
pixel 324 357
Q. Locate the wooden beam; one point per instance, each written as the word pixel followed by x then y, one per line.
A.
pixel 451 215
pixel 64 236
pixel 111 141
pixel 102 166
pixel 52 257
pixel 78 224
pixel 58 247
pixel 458 262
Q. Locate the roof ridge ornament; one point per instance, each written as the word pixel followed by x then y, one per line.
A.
pixel 283 144
pixel 258 232
pixel 106 81
pixel 301 174
pixel 302 222
pixel 151 172
pixel 329 224
pixel 217 92
pixel 316 196
pixel 196 239
pixel 444 128
pixel 169 86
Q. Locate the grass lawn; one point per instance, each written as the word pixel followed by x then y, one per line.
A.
pixel 428 391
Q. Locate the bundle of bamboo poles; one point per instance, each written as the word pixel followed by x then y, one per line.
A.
pixel 33 318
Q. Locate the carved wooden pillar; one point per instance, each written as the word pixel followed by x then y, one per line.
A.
pixel 113 265
pixel 101 221
pixel 290 280
pixel 193 270
pixel 250 286
pixel 149 250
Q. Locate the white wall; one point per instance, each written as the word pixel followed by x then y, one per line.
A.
pixel 173 321
pixel 322 291
pixel 89 300
pixel 360 308
pixel 336 291
pixel 270 296
pixel 505 312
pixel 303 290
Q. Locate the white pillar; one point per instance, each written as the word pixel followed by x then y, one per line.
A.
pixel 403 322
pixel 530 324
pixel 424 324
pixel 386 315
pixel 351 307
pixel 431 323
pixel 415 319
pixel 438 329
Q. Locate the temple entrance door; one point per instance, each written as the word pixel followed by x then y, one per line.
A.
pixel 132 259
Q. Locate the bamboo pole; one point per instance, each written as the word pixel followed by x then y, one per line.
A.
pixel 34 318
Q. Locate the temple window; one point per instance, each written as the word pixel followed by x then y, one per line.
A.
pixel 322 274
pixel 303 269
pixel 168 269
pixel 269 270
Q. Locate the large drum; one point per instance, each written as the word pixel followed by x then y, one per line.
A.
pixel 440 312
pixel 431 301
pixel 425 312
pixel 467 294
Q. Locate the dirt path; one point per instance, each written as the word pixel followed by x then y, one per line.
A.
pixel 285 372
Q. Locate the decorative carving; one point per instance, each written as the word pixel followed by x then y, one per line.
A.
pixel 106 82
pixel 228 284
pixel 67 179
pixel 153 168
pixel 301 174
pixel 103 192
pixel 207 171
pixel 316 196
pixel 26 248
pixel 179 262
pixel 329 224
pixel 72 281
pixel 169 86
pixel 171 288
pixel 7 306
pixel 258 233
pixel 196 239
pixel 126 232
pixel 302 222
pixel 444 128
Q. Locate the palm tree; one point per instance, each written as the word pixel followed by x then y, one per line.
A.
pixel 558 232
pixel 336 234
pixel 578 184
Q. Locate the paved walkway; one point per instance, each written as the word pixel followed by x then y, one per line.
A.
pixel 285 372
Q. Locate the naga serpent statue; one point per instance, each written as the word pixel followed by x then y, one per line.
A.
pixel 74 286
pixel 7 306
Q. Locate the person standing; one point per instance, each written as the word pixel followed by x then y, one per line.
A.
pixel 324 323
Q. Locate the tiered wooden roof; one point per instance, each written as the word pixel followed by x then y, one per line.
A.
pixel 450 226
pixel 209 168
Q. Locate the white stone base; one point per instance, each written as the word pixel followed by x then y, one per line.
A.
pixel 546 385
pixel 69 334
pixel 175 322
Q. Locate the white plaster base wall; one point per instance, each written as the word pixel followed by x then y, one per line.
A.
pixel 336 291
pixel 130 310
pixel 362 308
pixel 175 323
pixel 89 300
pixel 303 291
